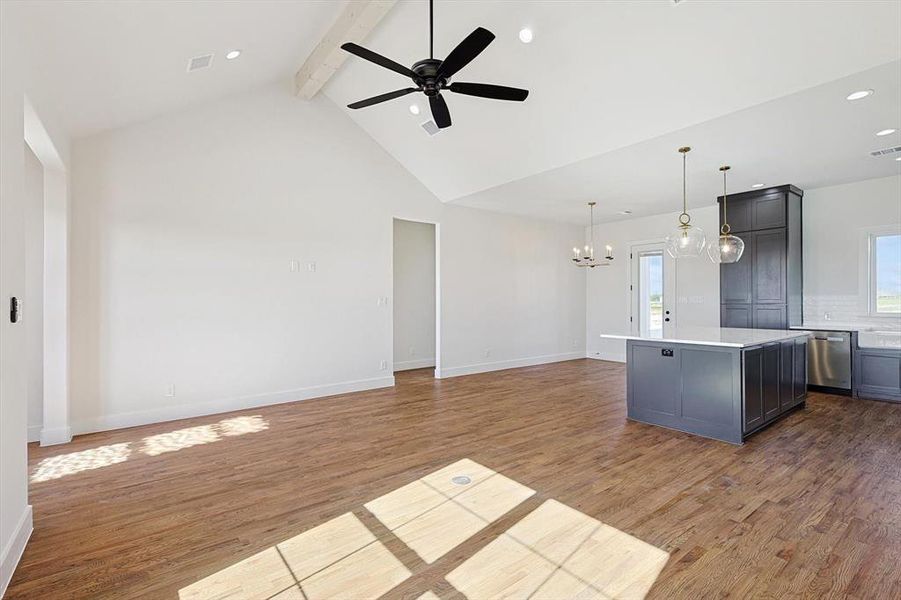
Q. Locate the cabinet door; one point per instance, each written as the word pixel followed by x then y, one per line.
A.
pixel 787 376
pixel 739 214
pixel 770 377
pixel 879 373
pixel 753 388
pixel 736 279
pixel 658 394
pixel 769 211
pixel 769 267
pixel 736 315
pixel 769 316
pixel 800 379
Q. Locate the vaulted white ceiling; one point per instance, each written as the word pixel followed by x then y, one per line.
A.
pixel 615 88
pixel 111 63
pixel 603 76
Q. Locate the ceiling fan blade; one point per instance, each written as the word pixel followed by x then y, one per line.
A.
pixel 439 111
pixel 487 90
pixel 377 59
pixel 465 51
pixel 382 98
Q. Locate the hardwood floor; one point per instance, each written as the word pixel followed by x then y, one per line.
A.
pixel 810 507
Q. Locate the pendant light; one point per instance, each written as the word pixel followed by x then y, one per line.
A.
pixel 687 240
pixel 728 248
pixel 585 257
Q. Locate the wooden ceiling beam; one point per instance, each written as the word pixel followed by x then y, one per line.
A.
pixel 354 24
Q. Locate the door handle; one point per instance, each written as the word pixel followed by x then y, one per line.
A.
pixel 666 319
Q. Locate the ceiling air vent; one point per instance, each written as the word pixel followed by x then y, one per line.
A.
pixel 884 151
pixel 430 127
pixel 200 62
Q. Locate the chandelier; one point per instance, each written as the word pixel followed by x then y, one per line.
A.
pixel 585 257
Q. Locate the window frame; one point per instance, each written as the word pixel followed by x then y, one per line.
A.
pixel 871 267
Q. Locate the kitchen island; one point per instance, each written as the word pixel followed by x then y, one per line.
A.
pixel 718 382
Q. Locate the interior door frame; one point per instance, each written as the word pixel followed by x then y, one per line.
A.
pixel 670 301
pixel 437 226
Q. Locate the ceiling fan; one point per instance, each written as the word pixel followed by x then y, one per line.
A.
pixel 431 76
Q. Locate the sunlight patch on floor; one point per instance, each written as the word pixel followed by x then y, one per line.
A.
pixel 554 552
pixel 76 462
pixel 62 465
pixel 559 552
pixel 329 561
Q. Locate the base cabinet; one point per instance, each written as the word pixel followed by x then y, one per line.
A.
pixel 774 381
pixel 877 374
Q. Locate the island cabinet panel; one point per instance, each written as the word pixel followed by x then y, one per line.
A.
pixel 799 381
pixel 658 393
pixel 753 389
pixel 771 380
pixel 787 397
pixel 707 392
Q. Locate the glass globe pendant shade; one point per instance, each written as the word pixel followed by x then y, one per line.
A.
pixel 687 241
pixel 727 250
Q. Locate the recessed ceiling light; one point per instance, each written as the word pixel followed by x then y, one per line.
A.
pixel 859 94
pixel 233 54
pixel 886 132
pixel 625 212
pixel 525 35
pixel 757 185
pixel 414 108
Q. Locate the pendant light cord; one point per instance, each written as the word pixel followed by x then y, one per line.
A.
pixel 725 229
pixel 684 218
pixel 431 28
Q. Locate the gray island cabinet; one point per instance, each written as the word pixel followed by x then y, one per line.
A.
pixel 722 383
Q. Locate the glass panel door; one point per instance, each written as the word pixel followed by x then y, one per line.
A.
pixel 652 288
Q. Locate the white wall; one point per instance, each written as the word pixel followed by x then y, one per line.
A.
pixel 697 281
pixel 15 513
pixel 836 220
pixel 183 231
pixel 34 291
pixel 414 295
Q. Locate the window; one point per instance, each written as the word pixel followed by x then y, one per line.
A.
pixel 885 274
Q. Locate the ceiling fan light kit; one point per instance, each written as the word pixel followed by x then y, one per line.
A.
pixel 687 240
pixel 431 76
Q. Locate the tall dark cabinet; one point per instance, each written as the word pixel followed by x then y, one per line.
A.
pixel 763 290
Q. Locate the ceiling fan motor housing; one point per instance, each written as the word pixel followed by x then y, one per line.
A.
pixel 427 76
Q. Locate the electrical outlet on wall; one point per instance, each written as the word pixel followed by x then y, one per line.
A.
pixel 487 352
pixel 294 265
pixel 382 301
pixel 311 267
pixel 383 365
pixel 170 391
pixel 412 351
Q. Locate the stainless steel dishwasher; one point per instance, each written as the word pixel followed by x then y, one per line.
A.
pixel 829 363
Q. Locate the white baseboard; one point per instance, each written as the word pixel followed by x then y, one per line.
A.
pixel 12 552
pixel 508 364
pixel 620 358
pixel 34 433
pixel 172 413
pixel 406 365
pixel 51 436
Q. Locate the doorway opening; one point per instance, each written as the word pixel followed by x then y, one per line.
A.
pixel 652 288
pixel 416 298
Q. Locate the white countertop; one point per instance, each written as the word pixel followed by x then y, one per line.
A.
pixel 846 326
pixel 716 336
